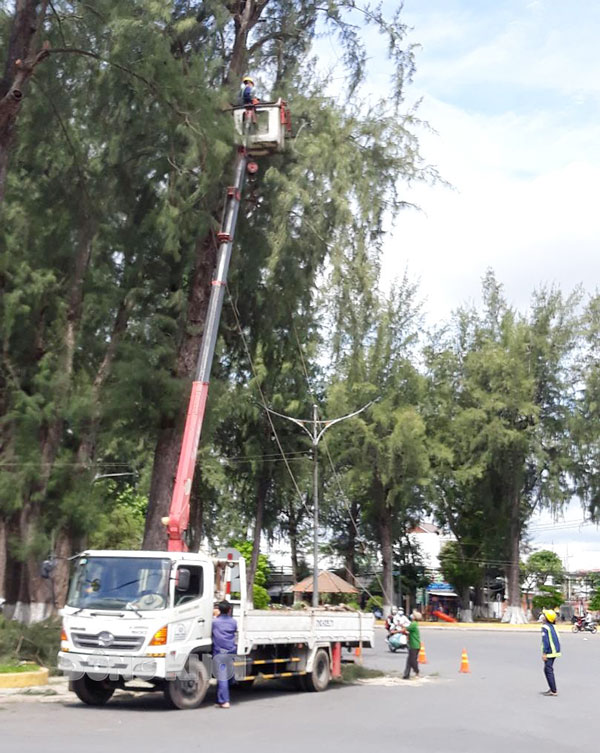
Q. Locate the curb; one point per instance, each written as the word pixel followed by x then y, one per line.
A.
pixel 24 679
pixel 531 627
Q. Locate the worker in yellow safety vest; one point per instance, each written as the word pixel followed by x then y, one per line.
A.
pixel 550 648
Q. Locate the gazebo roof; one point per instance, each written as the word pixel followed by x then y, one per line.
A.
pixel 329 583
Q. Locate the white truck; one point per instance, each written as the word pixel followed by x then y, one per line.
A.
pixel 147 615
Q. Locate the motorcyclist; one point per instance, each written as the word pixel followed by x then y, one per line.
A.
pixel 395 624
pixel 587 618
pixel 390 623
pixel 401 621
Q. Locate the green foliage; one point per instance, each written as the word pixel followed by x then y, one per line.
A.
pixel 373 602
pixel 261 596
pixel 35 643
pixel 121 521
pixel 458 568
pixel 353 672
pixel 542 565
pixel 499 409
pixel 594 603
pixel 549 598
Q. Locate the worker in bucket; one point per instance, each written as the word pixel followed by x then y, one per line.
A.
pixel 248 92
pixel 224 629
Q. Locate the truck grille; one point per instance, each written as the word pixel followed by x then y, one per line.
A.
pixel 119 642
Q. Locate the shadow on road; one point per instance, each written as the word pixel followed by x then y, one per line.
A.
pixel 154 701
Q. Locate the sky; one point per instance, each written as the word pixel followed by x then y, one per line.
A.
pixel 512 90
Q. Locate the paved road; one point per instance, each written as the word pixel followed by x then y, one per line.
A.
pixel 498 707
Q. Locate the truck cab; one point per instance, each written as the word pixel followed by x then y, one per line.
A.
pixel 135 615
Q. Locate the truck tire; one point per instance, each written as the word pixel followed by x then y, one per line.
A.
pixel 92 692
pixel 318 680
pixel 189 690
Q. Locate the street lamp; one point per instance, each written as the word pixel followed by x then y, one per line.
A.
pixel 315 428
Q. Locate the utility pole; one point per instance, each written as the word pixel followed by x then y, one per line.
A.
pixel 315 428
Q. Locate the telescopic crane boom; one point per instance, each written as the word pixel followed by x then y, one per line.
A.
pixel 262 128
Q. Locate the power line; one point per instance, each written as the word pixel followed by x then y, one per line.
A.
pixel 264 402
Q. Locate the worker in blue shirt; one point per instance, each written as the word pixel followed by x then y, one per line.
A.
pixel 248 92
pixel 224 629
pixel 550 648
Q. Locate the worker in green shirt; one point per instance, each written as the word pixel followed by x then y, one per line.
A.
pixel 414 644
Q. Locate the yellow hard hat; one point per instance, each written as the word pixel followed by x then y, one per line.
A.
pixel 247 79
pixel 550 615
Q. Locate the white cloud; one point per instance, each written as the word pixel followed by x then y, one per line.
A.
pixel 574 540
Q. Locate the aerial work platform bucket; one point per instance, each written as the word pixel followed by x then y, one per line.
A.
pixel 262 127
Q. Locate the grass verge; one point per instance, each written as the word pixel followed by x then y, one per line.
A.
pixel 12 668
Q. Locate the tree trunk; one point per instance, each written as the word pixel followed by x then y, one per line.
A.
pixel 196 521
pixel 21 60
pixel 514 613
pixel 466 613
pixel 385 539
pixel 63 549
pixel 246 15
pixel 34 597
pixel 293 518
pixel 3 558
pixel 166 455
pixel 350 553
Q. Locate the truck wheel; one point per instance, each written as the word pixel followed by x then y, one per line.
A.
pixel 318 679
pixel 92 692
pixel 188 690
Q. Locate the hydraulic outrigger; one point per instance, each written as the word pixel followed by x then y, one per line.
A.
pixel 272 120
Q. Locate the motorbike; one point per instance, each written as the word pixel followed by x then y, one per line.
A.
pixel 396 642
pixel 580 627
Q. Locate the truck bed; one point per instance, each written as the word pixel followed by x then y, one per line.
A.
pixel 312 626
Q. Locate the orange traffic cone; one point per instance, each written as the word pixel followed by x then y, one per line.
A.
pixel 464 662
pixel 422 658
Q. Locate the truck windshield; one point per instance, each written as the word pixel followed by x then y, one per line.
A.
pixel 137 583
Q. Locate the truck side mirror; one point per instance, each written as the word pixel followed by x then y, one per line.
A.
pixel 47 568
pixel 183 579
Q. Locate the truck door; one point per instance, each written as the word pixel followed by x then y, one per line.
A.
pixel 193 604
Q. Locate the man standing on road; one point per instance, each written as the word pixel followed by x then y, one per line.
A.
pixel 224 628
pixel 414 644
pixel 550 648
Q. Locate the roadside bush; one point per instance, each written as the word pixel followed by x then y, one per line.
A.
pixel 373 602
pixel 548 598
pixel 38 643
pixel 261 597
